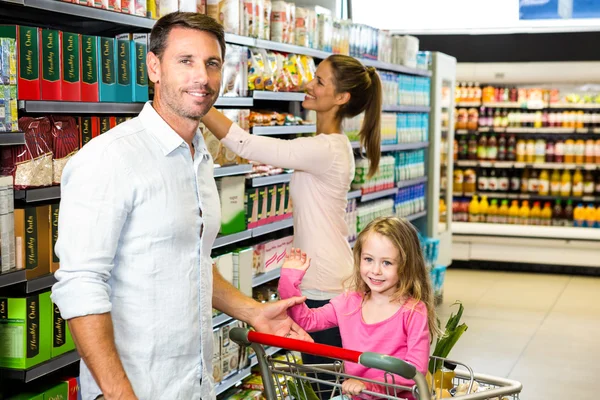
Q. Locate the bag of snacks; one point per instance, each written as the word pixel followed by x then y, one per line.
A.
pixel 256 67
pixel 234 74
pixel 65 143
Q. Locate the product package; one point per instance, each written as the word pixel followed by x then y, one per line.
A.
pixel 141 8
pixel 231 193
pixel 89 128
pixel 139 73
pixel 279 21
pixel 65 143
pixel 7 224
pixel 26 331
pixel 89 69
pixel 217 367
pixel 32 240
pixel 406 49
pixel 264 31
pixel 114 5
pixel 242 267
pixel 104 124
pixel 234 73
pixel 124 69
pixel 73 389
pixel 127 6
pixel 62 341
pixel 230 15
pixel 106 58
pixel 9 113
pixel 70 66
pixel 28 59
pixel 301 27
pixel 28 396
pixel 251 202
pixel 54 262
pixel 224 264
pixel 59 391
pixel 8 61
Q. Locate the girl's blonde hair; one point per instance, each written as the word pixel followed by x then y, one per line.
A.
pixel 413 278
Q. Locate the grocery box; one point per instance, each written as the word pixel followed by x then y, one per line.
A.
pixel 57 392
pixel 257 259
pixel 107 82
pixel 225 266
pixel 51 63
pixel 139 73
pixel 32 242
pixel 28 59
pixel 62 341
pixel 272 203
pixel 71 66
pixel 242 263
pixel 230 351
pixel 73 389
pixel 263 205
pixel 124 83
pixel 251 203
pixel 270 257
pixel 54 261
pixel 217 367
pixel 28 396
pixel 89 69
pixel 104 124
pixel 233 214
pixel 85 130
pixel 25 331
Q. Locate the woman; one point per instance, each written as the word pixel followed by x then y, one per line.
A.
pixel 324 169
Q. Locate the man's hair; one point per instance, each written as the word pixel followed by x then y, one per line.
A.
pixel 188 20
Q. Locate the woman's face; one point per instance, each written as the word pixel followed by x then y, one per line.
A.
pixel 320 92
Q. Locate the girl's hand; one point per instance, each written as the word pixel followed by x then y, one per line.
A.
pixel 352 387
pixel 297 260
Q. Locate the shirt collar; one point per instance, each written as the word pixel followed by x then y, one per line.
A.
pixel 167 138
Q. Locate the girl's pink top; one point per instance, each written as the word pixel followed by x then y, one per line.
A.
pixel 404 335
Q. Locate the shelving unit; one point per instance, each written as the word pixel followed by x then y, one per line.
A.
pixel 416 216
pixel 283 130
pixel 226 240
pixel 520 165
pixel 378 195
pixel 12 278
pixel 397 147
pixel 234 102
pixel 411 182
pixel 38 194
pixel 271 180
pixel 12 139
pixel 78 107
pixel 40 370
pixel 278 96
pixel 267 277
pixel 220 320
pixel 233 170
pixel 526 231
pixel 355 194
pixel 407 109
pixel 274 227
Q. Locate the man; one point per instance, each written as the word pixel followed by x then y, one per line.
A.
pixel 139 215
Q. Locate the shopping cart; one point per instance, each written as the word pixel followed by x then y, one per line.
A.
pixel 285 378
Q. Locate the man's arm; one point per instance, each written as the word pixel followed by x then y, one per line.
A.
pixel 93 335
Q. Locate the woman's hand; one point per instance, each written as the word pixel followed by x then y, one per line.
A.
pixel 352 387
pixel 296 260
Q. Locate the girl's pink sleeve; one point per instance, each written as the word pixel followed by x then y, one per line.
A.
pixel 311 320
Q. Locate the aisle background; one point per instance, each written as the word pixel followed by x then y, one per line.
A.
pixel 538 329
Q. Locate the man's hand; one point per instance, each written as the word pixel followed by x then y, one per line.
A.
pixel 296 260
pixel 353 387
pixel 273 319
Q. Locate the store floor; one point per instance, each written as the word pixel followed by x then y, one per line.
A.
pixel 542 330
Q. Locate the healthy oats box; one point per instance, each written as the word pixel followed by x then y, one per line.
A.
pixel 25 331
pixel 54 261
pixel 87 129
pixel 51 63
pixel 89 69
pixel 139 74
pixel 104 124
pixel 32 241
pixel 62 341
pixel 107 80
pixel 124 82
pixel 71 66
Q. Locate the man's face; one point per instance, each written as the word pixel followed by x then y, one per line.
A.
pixel 188 76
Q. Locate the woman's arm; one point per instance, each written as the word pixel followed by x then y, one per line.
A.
pixel 311 154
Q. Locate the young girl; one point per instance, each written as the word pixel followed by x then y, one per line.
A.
pixel 388 309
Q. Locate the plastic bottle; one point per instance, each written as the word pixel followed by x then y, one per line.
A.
pixel 598 184
pixel 559 151
pixel 503 182
pixel 546 217
pixel 525 181
pixel 492 148
pixel 483 183
pixel 579 216
pixel 470 181
pixel 555 183
pixel 540 150
pixel 537 119
pixel 503 212
pixel 533 184
pixel 459 179
pixel 569 151
pixel 521 150
pixel 544 183
pixel 589 151
pixel 588 183
pixel 484 206
pixel 502 155
pixel 515 182
pixel 568 213
pixel 482 148
pixel 597 217
pixel 536 214
pixel 557 214
pixel 472 148
pixel 565 183
pixel 511 149
pixel 549 151
pixel 493 181
pixel 474 210
pixel 597 151
pixel 590 216
pixel 524 213
pixel 577 183
pixel 579 151
pixel 492 212
pixel 513 213
pixel 530 151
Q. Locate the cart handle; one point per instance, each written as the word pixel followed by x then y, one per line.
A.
pixel 244 336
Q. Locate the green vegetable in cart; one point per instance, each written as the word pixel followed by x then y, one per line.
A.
pixel 446 342
pixel 298 388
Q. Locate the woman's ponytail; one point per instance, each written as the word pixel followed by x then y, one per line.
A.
pixel 364 85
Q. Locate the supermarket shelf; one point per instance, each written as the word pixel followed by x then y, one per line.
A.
pixel 468 104
pixel 527 231
pixel 38 371
pixel 416 216
pixel 240 40
pixel 283 130
pixel 233 170
pixel 401 109
pixel 559 131
pixel 234 102
pixel 11 138
pixel 38 194
pixel 231 239
pixel 41 283
pixel 12 278
pixel 395 68
pixel 269 351
pixel 274 227
pixel 267 277
pixel 466 132
pixel 412 182
pixel 355 194
pixel 290 48
pixel 505 105
pixel 529 196
pixel 76 107
pixel 233 380
pixel 271 180
pixel 221 319
pixel 278 96
pixel 82 11
pixel 404 146
pixel 378 195
pixel 518 165
pixel 575 106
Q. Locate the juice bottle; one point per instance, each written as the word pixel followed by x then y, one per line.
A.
pixel 515 182
pixel 537 122
pixel 597 151
pixel 536 214
pixel 559 151
pixel 580 118
pixel 530 151
pixel 577 183
pixel 503 182
pixel 525 181
pixel 513 213
pixel 579 216
pixel 482 148
pixel 472 148
pixel 474 210
pixel 544 183
pixel 569 151
pixel 484 206
pixel 568 213
pixel 565 183
pixel 549 151
pixel 521 150
pixel 579 151
pixel 524 213
pixel 459 179
pixel 588 184
pixel 555 183
pixel 546 217
pixel 597 217
pixel 502 148
pixel 533 184
pixel 589 151
pixel 493 181
pixel 557 214
pixel 470 181
pixel 590 216
pixel 503 212
pixel 492 148
pixel 511 149
pixel 540 150
pixel 492 213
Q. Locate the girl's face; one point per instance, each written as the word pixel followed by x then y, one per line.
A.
pixel 320 92
pixel 379 264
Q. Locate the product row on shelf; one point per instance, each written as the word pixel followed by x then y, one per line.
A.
pixel 396 128
pixel 536 213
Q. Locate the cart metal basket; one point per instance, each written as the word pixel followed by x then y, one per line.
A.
pixel 288 377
